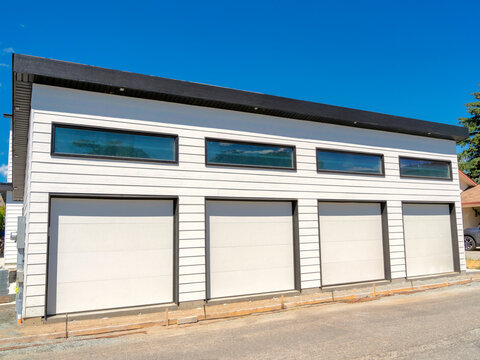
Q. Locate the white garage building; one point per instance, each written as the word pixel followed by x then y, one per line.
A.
pixel 142 191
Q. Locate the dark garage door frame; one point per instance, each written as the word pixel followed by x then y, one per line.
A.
pixel 296 244
pixel 454 234
pixel 385 238
pixel 52 196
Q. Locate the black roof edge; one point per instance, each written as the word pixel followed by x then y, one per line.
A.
pixel 6 187
pixel 91 78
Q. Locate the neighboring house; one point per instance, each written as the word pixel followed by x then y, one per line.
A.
pixel 470 201
pixel 140 190
pixel 13 209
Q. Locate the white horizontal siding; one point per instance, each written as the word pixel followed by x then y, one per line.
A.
pixel 308 243
pixel 396 241
pixel 461 244
pixel 191 180
pixel 13 209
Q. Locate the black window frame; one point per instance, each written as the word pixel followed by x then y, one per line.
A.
pixel 118 131
pixel 380 155
pixel 449 162
pixel 293 147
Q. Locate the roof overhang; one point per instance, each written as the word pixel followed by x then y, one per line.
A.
pixel 30 69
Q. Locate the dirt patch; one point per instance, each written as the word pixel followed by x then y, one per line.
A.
pixel 473 264
pixel 7 316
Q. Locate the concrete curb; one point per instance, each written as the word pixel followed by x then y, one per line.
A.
pixel 345 296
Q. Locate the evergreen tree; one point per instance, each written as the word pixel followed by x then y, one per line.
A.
pixel 469 158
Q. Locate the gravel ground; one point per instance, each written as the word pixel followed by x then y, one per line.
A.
pixel 437 324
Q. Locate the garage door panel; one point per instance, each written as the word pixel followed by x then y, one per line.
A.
pixel 367 250
pixel 366 228
pixel 429 226
pixel 154 235
pixel 84 266
pixel 429 246
pixel 253 233
pixel 135 209
pixel 342 209
pixel 351 238
pixel 246 208
pixel 428 265
pixel 253 281
pixel 261 258
pixel 362 270
pixel 92 295
pixel 250 247
pixel 428 239
pixel 120 249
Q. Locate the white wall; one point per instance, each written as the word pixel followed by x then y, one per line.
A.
pixel 13 209
pixel 191 180
pixel 470 219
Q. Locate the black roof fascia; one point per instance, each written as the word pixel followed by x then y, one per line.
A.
pixel 6 187
pixel 67 74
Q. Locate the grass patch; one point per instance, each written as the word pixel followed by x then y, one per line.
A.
pixel 473 264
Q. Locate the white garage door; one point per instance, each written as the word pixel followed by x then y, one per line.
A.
pixel 250 247
pixel 351 242
pixel 428 239
pixel 111 253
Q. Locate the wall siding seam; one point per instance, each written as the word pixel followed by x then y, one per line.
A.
pixel 393 183
pixel 109 178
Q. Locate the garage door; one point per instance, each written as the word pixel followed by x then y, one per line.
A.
pixel 250 247
pixel 111 253
pixel 428 239
pixel 351 242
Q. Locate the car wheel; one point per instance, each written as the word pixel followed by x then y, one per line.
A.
pixel 469 243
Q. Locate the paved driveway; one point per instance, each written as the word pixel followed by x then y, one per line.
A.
pixel 473 255
pixel 438 324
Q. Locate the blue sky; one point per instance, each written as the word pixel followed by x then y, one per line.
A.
pixel 412 58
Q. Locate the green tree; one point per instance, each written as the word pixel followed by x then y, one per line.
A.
pixel 469 158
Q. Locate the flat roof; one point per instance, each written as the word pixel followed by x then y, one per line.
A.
pixel 30 69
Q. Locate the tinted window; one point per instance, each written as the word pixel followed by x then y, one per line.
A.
pixel 425 168
pixel 111 143
pixel 245 154
pixel 328 160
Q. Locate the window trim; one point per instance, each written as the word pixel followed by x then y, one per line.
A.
pixel 380 155
pixel 449 162
pixel 293 147
pixel 112 130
